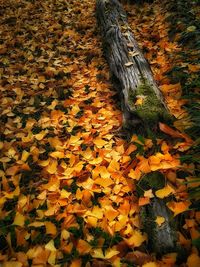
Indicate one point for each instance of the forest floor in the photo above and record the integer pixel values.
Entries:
(68, 181)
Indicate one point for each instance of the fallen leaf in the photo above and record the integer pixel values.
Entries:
(19, 219)
(178, 207)
(165, 191)
(160, 220)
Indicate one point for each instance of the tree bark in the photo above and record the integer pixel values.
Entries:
(142, 101)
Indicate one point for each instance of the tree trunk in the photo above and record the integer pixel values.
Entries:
(142, 102)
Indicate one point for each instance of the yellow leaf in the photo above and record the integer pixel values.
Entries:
(110, 253)
(104, 182)
(136, 239)
(19, 219)
(50, 228)
(57, 154)
(135, 174)
(25, 155)
(40, 135)
(96, 212)
(140, 100)
(96, 161)
(164, 192)
(98, 253)
(160, 220)
(64, 194)
(52, 167)
(99, 142)
(148, 193)
(75, 140)
(52, 258)
(15, 193)
(150, 264)
(50, 246)
(92, 221)
(42, 195)
(113, 166)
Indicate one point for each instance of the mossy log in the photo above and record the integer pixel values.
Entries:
(142, 102)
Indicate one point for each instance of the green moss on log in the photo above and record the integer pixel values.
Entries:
(151, 110)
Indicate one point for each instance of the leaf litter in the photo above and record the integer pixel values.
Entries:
(68, 184)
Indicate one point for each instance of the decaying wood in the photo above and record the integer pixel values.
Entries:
(142, 102)
(131, 71)
(162, 239)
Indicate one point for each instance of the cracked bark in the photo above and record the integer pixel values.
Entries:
(130, 70)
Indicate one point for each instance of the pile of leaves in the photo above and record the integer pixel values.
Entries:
(68, 183)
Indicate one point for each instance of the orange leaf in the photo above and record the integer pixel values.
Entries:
(50, 228)
(178, 207)
(83, 247)
(143, 201)
(193, 260)
(168, 130)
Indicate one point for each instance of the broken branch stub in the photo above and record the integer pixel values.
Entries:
(141, 100)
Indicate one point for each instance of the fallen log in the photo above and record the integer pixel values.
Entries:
(162, 238)
(142, 102)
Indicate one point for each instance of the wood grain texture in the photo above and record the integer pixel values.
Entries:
(128, 66)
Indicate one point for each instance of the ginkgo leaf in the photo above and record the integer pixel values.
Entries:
(50, 228)
(143, 201)
(83, 247)
(160, 220)
(178, 207)
(40, 135)
(19, 219)
(50, 246)
(99, 142)
(136, 239)
(164, 192)
(148, 193)
(104, 182)
(52, 167)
